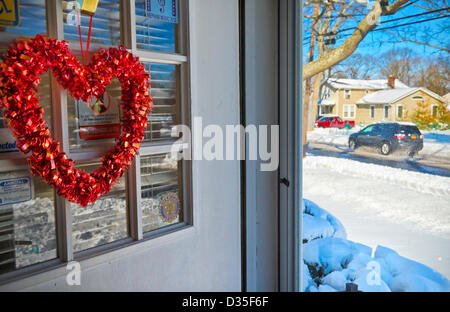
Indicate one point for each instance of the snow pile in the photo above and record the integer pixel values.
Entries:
(417, 181)
(317, 223)
(330, 261)
(333, 136)
(409, 275)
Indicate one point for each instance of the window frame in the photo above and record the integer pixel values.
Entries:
(398, 111)
(63, 217)
(351, 112)
(386, 111)
(347, 94)
(432, 110)
(372, 110)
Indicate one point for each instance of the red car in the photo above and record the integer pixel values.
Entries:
(334, 122)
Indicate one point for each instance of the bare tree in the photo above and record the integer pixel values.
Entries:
(367, 24)
(434, 75)
(357, 66)
(401, 63)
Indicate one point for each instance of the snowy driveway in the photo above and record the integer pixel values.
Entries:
(379, 205)
(436, 143)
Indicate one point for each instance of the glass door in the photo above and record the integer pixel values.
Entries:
(375, 213)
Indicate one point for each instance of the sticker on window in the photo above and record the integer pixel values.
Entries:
(9, 13)
(98, 118)
(7, 142)
(163, 10)
(15, 190)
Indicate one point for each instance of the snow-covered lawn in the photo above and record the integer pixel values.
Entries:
(405, 211)
(436, 143)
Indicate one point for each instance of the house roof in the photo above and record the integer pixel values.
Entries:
(377, 84)
(393, 95)
(447, 98)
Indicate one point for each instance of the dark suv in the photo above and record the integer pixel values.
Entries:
(388, 137)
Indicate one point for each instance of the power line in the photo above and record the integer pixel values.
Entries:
(411, 23)
(388, 21)
(395, 26)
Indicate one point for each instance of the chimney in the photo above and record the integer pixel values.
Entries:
(391, 82)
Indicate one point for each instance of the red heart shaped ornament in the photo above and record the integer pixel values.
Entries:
(25, 62)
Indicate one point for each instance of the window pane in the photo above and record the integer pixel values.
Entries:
(105, 23)
(27, 220)
(371, 221)
(95, 123)
(164, 114)
(6, 136)
(102, 222)
(153, 34)
(160, 188)
(32, 21)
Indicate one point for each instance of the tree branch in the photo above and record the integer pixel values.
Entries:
(417, 42)
(349, 46)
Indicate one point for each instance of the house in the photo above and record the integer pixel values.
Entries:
(368, 101)
(447, 100)
(395, 104)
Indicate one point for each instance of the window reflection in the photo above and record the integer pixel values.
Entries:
(102, 222)
(27, 221)
(153, 34)
(164, 93)
(159, 179)
(105, 23)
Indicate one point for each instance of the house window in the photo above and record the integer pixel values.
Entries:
(386, 111)
(418, 98)
(349, 110)
(105, 24)
(347, 93)
(132, 210)
(400, 111)
(434, 110)
(367, 92)
(372, 111)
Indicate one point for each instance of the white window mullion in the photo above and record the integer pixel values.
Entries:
(128, 24)
(134, 199)
(60, 132)
(128, 33)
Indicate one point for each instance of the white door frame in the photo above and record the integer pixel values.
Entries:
(291, 145)
(272, 95)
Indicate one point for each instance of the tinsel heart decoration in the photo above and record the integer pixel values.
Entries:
(22, 66)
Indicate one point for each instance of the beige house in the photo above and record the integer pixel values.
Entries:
(369, 101)
(395, 104)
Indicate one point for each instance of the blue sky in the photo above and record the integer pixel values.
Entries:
(378, 42)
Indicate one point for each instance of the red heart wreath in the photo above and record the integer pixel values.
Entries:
(20, 72)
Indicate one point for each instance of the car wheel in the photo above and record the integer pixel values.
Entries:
(385, 148)
(352, 144)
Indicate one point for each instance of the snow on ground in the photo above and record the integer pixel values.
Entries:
(417, 181)
(436, 143)
(330, 261)
(406, 211)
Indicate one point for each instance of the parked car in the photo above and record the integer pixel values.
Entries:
(334, 122)
(388, 137)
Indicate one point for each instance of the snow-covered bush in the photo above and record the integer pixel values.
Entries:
(317, 223)
(330, 261)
